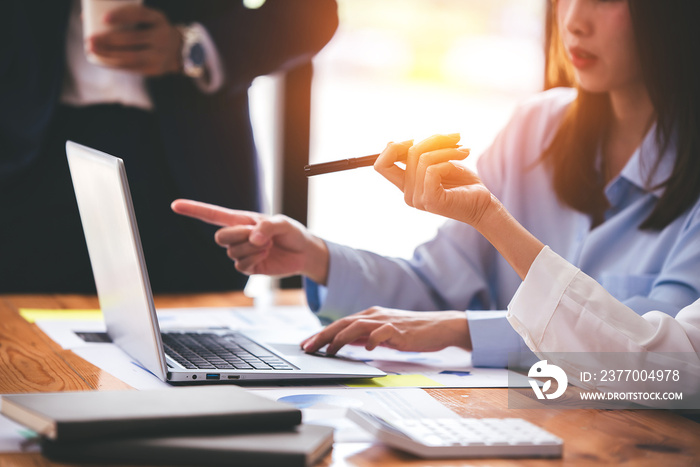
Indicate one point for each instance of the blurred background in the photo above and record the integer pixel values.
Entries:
(398, 70)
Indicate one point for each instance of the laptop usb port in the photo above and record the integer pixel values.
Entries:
(213, 376)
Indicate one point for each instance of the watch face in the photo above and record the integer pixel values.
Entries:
(197, 54)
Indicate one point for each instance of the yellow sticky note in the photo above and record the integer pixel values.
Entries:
(395, 381)
(37, 314)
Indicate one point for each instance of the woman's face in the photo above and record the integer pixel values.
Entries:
(598, 38)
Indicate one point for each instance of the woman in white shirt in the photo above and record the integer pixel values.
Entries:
(608, 175)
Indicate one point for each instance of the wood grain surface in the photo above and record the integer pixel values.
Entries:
(31, 362)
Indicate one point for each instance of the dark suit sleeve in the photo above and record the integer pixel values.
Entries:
(276, 36)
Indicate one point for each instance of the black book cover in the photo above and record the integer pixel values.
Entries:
(193, 410)
(301, 447)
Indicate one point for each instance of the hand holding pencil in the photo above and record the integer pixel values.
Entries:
(433, 182)
(341, 165)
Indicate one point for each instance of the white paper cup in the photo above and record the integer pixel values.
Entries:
(94, 12)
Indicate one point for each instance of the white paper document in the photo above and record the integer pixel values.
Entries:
(15, 437)
(449, 367)
(329, 406)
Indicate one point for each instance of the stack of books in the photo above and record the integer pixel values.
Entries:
(210, 425)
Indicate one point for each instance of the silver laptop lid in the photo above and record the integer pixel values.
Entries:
(114, 245)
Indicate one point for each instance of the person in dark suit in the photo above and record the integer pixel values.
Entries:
(169, 97)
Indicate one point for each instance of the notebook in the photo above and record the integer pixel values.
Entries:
(85, 415)
(124, 292)
(301, 447)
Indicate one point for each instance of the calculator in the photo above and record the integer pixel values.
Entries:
(461, 437)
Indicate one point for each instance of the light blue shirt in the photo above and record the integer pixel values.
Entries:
(459, 270)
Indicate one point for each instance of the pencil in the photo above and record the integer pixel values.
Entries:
(338, 166)
(346, 164)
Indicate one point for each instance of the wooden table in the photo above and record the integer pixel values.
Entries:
(31, 362)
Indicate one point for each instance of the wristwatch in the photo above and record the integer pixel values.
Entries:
(193, 54)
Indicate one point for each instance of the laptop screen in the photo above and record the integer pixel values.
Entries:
(114, 245)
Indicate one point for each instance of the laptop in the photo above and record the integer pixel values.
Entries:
(124, 292)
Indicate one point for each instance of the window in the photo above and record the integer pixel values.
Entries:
(396, 70)
(402, 69)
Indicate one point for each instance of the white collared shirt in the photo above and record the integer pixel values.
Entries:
(558, 310)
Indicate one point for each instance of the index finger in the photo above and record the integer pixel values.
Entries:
(386, 162)
(326, 335)
(213, 214)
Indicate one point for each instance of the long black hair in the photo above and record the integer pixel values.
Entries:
(667, 38)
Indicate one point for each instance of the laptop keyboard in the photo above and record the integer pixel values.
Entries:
(221, 352)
